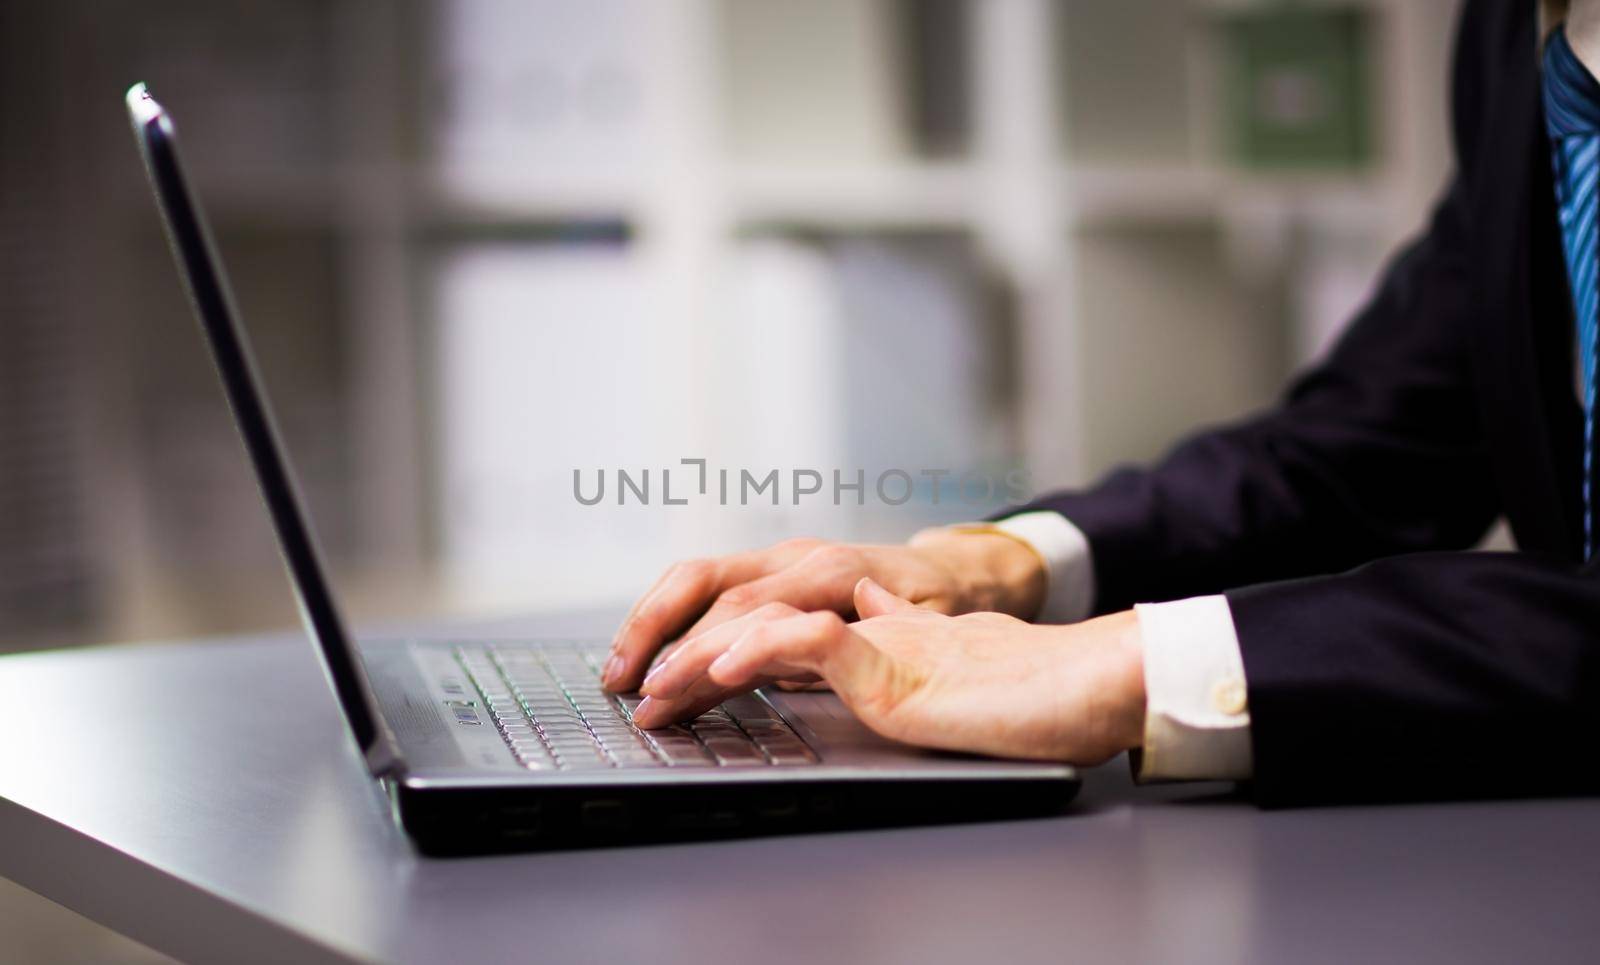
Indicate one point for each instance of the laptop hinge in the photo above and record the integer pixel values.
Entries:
(383, 757)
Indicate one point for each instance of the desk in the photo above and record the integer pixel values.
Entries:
(203, 799)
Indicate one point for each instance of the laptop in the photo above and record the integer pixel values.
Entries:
(500, 745)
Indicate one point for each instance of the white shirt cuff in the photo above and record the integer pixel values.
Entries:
(1197, 717)
(1069, 569)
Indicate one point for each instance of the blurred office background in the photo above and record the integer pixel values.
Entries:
(481, 244)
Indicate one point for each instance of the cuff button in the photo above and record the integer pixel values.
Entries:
(1228, 696)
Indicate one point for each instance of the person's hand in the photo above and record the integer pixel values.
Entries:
(983, 682)
(943, 570)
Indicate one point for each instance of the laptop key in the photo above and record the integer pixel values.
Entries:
(542, 698)
(561, 721)
(676, 753)
(769, 744)
(695, 760)
(558, 719)
(566, 732)
(732, 748)
(746, 708)
(567, 738)
(781, 743)
(671, 740)
(569, 746)
(754, 727)
(576, 751)
(565, 751)
(779, 740)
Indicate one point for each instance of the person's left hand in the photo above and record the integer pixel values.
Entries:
(982, 682)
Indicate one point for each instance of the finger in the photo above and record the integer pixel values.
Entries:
(819, 643)
(873, 600)
(672, 676)
(801, 587)
(642, 631)
(653, 712)
(681, 594)
(797, 684)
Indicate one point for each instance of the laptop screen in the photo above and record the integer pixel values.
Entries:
(207, 286)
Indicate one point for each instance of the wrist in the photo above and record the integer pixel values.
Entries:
(1126, 709)
(1101, 666)
(992, 571)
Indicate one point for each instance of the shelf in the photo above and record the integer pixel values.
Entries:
(915, 195)
(1161, 194)
(909, 195)
(1097, 194)
(489, 196)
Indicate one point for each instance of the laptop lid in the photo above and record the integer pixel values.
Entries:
(213, 305)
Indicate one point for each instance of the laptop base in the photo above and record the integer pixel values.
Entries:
(472, 821)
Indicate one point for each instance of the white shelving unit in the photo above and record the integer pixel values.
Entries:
(1064, 204)
(1038, 207)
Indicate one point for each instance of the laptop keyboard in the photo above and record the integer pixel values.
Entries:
(549, 705)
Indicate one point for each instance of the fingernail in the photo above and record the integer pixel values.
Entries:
(643, 709)
(613, 667)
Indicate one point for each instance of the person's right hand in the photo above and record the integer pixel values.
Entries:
(982, 683)
(950, 571)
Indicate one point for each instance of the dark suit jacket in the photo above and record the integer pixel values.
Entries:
(1385, 661)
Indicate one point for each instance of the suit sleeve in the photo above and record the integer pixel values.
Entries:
(1425, 676)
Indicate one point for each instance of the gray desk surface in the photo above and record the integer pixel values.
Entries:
(203, 799)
